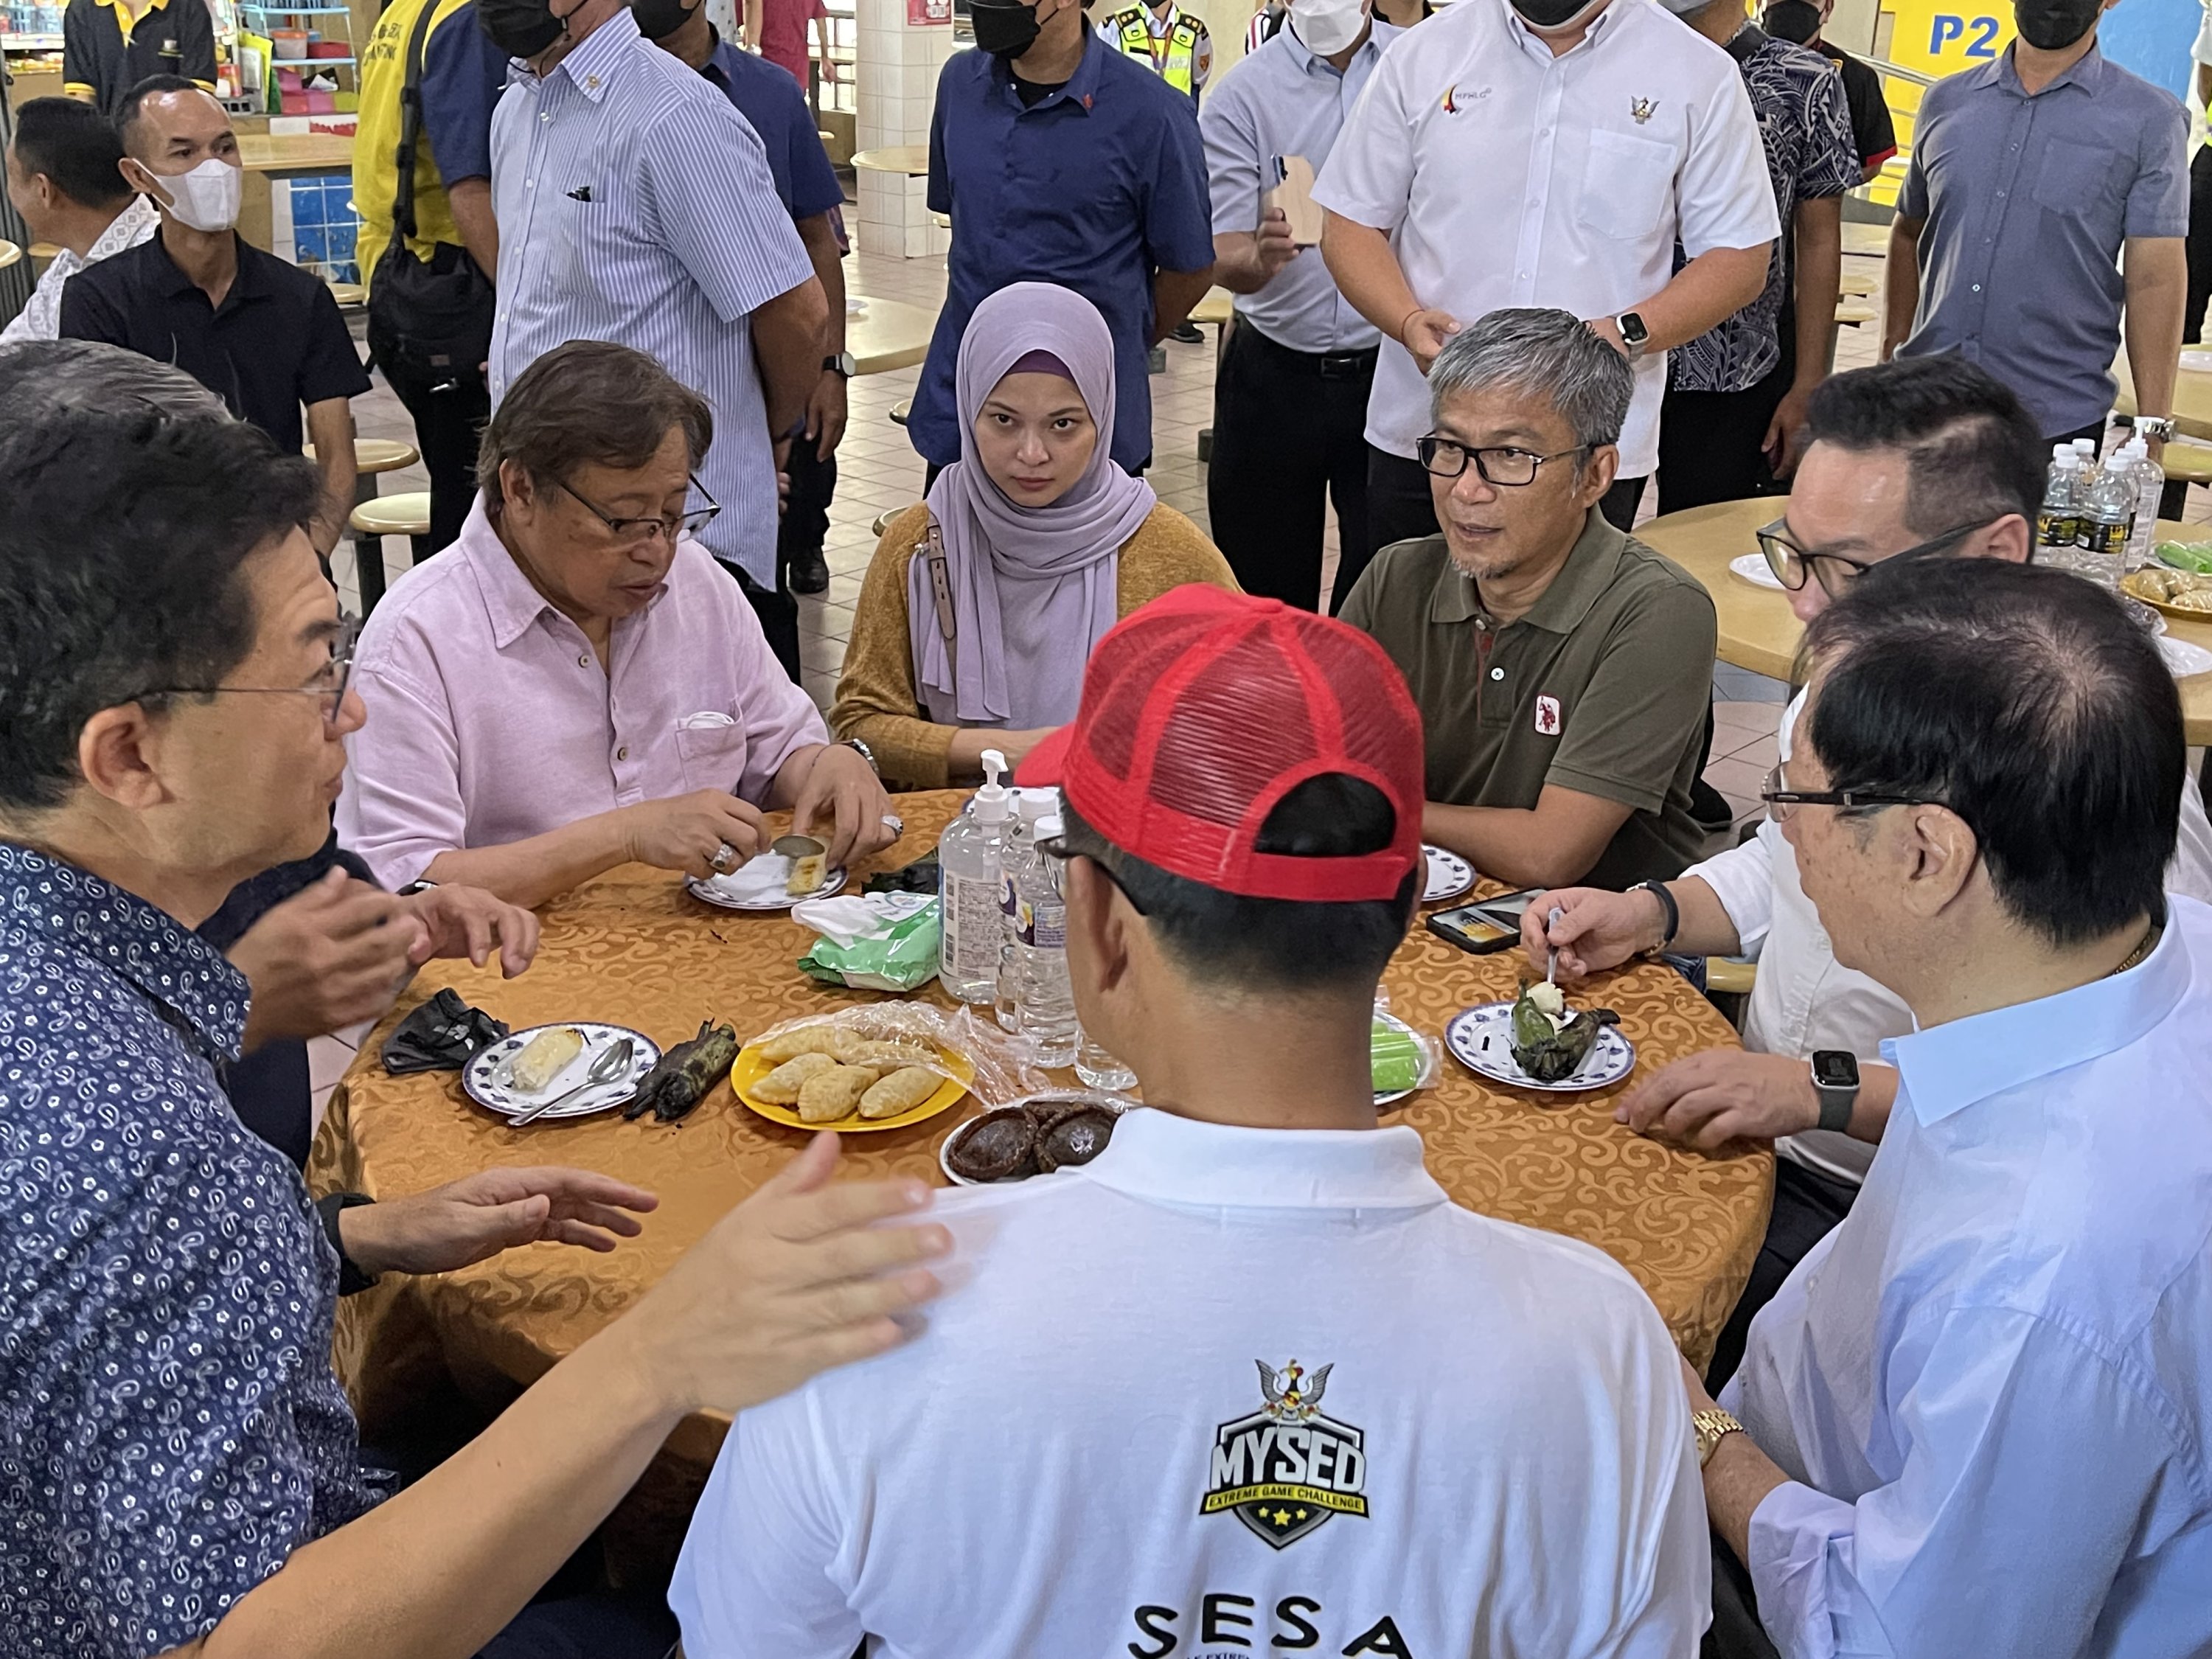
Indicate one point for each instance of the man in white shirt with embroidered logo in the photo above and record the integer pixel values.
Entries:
(1542, 153)
(1249, 1378)
(65, 177)
(1921, 457)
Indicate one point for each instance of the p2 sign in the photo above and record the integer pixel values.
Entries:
(1942, 37)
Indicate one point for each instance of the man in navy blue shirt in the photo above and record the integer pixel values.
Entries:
(1062, 160)
(769, 98)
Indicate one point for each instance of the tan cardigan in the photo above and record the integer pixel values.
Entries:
(876, 699)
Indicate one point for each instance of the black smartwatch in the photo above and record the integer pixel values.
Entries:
(1836, 1081)
(843, 363)
(351, 1278)
(1669, 910)
(1633, 334)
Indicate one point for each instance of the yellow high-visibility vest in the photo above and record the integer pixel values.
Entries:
(1180, 67)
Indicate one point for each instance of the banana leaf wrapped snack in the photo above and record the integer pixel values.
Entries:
(1549, 1043)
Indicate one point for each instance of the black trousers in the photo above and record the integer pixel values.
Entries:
(1287, 432)
(449, 411)
(2200, 247)
(1400, 507)
(1736, 1632)
(779, 619)
(1807, 1207)
(805, 523)
(1710, 444)
(592, 1626)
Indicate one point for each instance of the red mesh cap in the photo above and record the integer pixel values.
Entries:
(1201, 711)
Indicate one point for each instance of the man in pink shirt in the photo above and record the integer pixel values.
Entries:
(574, 684)
(777, 30)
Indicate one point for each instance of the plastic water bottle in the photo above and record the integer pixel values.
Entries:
(1030, 805)
(2108, 514)
(1048, 1006)
(1096, 1065)
(968, 876)
(2086, 448)
(2150, 488)
(2058, 522)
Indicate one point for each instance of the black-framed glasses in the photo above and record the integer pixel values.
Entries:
(329, 684)
(1781, 801)
(1057, 849)
(1792, 563)
(690, 522)
(1446, 457)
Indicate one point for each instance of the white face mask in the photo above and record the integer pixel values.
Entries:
(207, 197)
(1325, 28)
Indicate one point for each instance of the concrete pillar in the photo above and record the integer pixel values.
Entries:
(898, 65)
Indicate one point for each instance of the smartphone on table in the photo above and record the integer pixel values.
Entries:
(1486, 925)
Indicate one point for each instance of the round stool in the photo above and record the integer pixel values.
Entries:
(370, 457)
(408, 515)
(2184, 463)
(10, 253)
(1854, 312)
(900, 411)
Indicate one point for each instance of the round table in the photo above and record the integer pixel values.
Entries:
(910, 159)
(633, 947)
(1759, 631)
(9, 254)
(889, 334)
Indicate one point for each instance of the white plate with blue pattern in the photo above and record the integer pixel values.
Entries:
(485, 1077)
(1481, 1039)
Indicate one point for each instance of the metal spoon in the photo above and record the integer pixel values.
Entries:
(1552, 950)
(606, 1069)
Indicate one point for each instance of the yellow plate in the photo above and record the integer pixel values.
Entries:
(2179, 613)
(750, 1068)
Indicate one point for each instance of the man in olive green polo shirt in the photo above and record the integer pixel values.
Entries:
(1562, 669)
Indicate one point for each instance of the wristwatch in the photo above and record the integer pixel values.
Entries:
(1836, 1080)
(843, 363)
(415, 887)
(1711, 1426)
(862, 751)
(1633, 334)
(1672, 912)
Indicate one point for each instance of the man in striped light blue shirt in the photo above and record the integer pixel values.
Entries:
(636, 204)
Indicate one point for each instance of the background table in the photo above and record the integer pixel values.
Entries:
(1759, 632)
(633, 947)
(911, 160)
(889, 334)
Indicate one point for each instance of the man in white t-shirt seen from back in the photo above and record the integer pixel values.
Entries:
(1542, 153)
(1249, 1379)
(1921, 457)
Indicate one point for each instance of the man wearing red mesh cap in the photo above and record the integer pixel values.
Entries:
(1247, 1381)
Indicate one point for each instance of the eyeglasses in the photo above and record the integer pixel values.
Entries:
(1783, 802)
(1791, 562)
(1446, 458)
(689, 523)
(329, 684)
(1060, 851)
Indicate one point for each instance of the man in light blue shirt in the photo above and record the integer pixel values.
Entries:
(636, 204)
(1289, 395)
(1974, 1419)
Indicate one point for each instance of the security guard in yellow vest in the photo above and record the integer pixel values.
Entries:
(1166, 38)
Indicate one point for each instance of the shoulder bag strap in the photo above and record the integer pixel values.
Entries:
(410, 124)
(940, 586)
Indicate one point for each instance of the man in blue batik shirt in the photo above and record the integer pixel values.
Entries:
(1062, 160)
(177, 1458)
(1974, 1419)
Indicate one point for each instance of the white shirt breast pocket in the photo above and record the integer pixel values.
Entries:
(1628, 184)
(711, 748)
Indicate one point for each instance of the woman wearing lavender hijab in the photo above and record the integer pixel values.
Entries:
(982, 603)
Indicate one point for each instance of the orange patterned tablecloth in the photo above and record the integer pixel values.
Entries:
(633, 947)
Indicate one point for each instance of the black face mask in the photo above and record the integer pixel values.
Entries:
(1547, 14)
(521, 28)
(658, 18)
(1004, 31)
(2054, 25)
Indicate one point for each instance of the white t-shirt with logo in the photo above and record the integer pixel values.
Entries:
(1508, 177)
(1224, 1392)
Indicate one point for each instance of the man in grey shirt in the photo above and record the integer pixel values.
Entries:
(2046, 190)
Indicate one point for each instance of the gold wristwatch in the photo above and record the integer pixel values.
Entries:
(1709, 1427)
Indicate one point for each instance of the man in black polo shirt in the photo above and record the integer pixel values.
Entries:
(108, 47)
(264, 336)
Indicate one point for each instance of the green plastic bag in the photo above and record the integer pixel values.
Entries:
(895, 958)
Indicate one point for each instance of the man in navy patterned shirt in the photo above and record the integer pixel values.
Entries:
(1736, 394)
(177, 1459)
